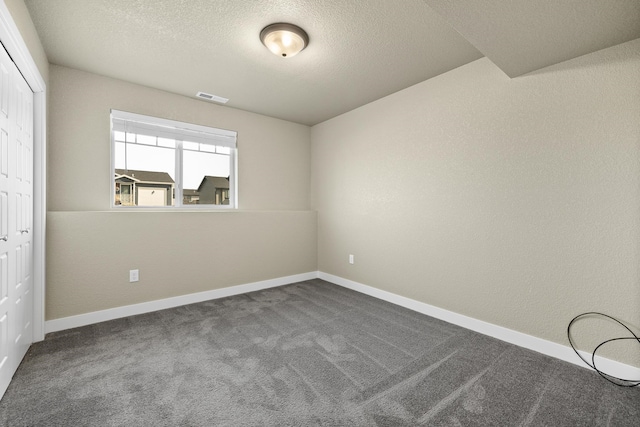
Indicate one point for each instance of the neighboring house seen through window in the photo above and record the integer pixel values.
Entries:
(160, 162)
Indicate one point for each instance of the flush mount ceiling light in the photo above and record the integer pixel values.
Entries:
(285, 40)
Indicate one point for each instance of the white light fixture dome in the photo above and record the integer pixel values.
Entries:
(285, 40)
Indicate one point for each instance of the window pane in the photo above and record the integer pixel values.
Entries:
(118, 136)
(206, 176)
(187, 145)
(208, 148)
(223, 150)
(165, 142)
(147, 140)
(145, 175)
(119, 151)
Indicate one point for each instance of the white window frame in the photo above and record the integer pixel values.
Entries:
(178, 131)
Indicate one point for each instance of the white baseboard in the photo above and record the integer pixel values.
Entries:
(540, 345)
(147, 307)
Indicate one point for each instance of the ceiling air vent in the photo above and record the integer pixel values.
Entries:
(213, 98)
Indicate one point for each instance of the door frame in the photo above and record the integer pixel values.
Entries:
(16, 47)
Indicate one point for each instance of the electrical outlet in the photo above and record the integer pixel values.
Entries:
(134, 275)
(351, 259)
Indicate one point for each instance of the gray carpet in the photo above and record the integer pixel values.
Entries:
(307, 354)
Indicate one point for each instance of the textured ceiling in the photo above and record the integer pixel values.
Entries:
(521, 36)
(359, 51)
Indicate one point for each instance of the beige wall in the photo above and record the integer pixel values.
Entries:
(22, 19)
(90, 252)
(273, 160)
(516, 202)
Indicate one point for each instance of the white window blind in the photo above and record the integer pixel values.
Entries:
(163, 128)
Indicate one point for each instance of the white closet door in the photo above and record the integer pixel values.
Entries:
(16, 218)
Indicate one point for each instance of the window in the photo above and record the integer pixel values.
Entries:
(159, 162)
